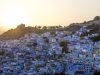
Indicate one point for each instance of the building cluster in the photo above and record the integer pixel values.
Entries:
(50, 53)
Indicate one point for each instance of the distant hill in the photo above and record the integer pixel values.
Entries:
(21, 30)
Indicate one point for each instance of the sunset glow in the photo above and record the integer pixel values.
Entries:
(46, 12)
(13, 17)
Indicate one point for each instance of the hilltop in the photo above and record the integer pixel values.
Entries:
(21, 30)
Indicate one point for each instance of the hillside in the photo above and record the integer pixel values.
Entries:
(21, 30)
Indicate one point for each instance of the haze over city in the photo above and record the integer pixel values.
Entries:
(46, 12)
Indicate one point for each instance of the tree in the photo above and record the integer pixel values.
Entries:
(39, 27)
(2, 53)
(21, 26)
(97, 18)
(60, 26)
(64, 45)
(44, 27)
(46, 40)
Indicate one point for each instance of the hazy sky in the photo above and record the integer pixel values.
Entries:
(46, 12)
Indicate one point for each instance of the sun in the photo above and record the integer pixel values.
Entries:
(13, 17)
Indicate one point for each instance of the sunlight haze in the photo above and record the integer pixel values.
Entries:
(46, 12)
